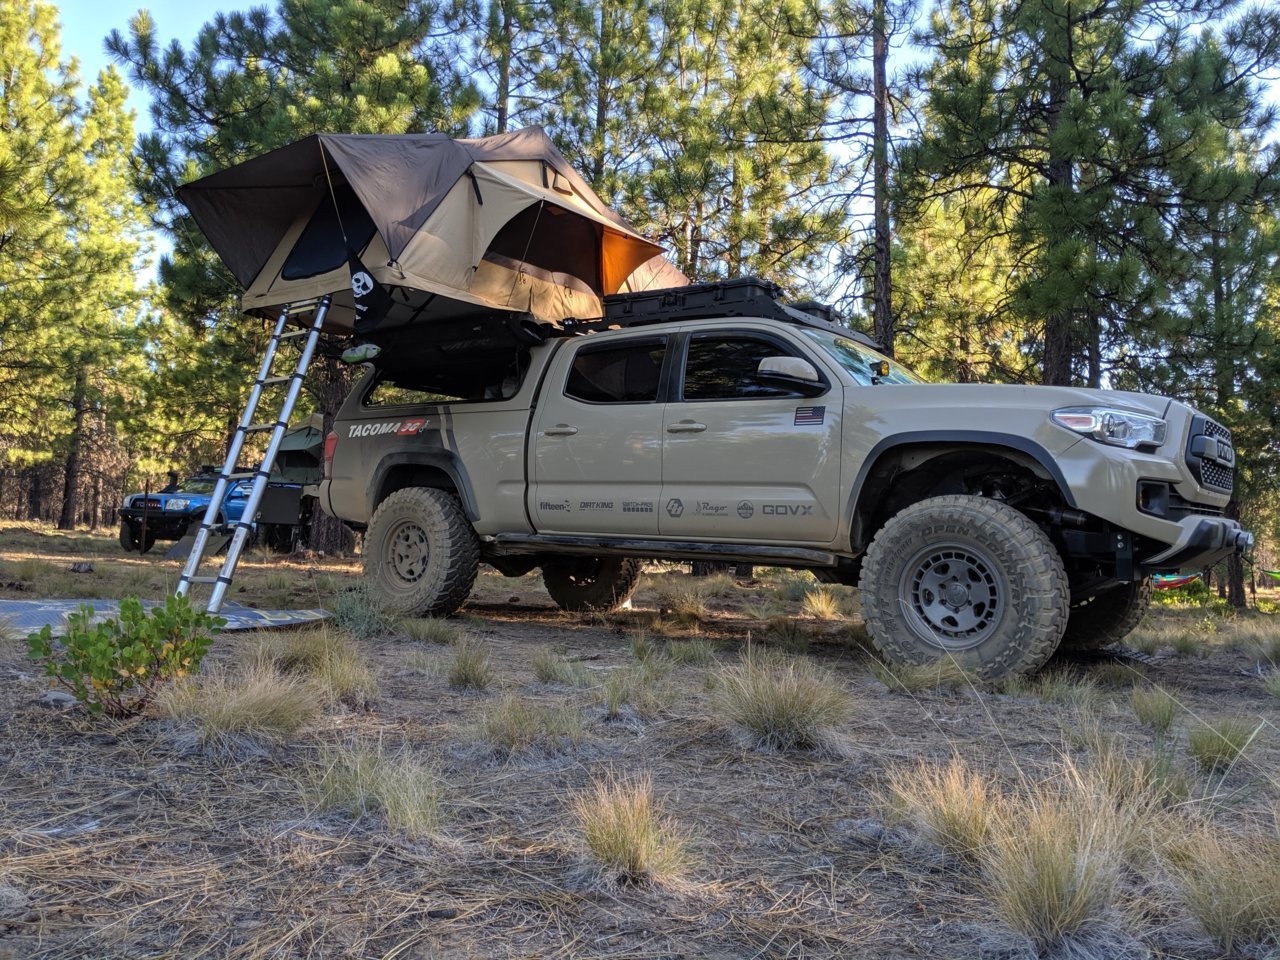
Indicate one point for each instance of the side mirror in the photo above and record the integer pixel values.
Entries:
(794, 372)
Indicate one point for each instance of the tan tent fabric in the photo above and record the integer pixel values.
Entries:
(499, 222)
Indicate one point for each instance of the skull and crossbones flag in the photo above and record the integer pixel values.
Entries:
(372, 299)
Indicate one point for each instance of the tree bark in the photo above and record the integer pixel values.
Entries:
(1235, 568)
(71, 473)
(1060, 176)
(881, 285)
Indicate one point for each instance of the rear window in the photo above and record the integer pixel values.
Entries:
(627, 372)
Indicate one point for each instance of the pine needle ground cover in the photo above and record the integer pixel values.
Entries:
(150, 837)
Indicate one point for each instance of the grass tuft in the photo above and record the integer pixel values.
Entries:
(1064, 688)
(954, 805)
(1216, 746)
(356, 611)
(514, 725)
(1055, 856)
(257, 702)
(697, 652)
(326, 656)
(626, 835)
(822, 603)
(1271, 683)
(641, 685)
(1231, 884)
(432, 630)
(470, 668)
(782, 703)
(361, 779)
(550, 667)
(1155, 707)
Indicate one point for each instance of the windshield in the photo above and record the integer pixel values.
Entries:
(197, 485)
(860, 361)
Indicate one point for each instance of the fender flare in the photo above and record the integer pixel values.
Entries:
(446, 462)
(988, 439)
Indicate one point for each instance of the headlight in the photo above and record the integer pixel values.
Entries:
(176, 505)
(1120, 428)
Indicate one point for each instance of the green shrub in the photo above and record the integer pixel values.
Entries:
(117, 666)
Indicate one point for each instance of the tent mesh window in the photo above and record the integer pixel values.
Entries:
(319, 248)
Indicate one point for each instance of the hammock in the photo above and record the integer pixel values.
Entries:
(1171, 581)
(1273, 574)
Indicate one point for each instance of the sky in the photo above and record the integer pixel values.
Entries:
(86, 23)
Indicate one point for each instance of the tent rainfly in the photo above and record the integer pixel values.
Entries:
(451, 227)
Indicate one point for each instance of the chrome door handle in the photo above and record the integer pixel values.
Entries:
(686, 426)
(560, 430)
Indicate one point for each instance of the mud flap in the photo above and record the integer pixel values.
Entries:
(182, 549)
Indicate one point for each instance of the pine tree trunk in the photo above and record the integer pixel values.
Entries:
(71, 473)
(883, 309)
(1235, 568)
(333, 382)
(1059, 172)
(35, 494)
(503, 95)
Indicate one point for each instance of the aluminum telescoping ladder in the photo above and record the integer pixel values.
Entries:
(245, 525)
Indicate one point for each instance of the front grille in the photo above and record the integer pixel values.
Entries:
(1210, 454)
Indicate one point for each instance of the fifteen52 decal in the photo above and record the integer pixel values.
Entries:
(403, 428)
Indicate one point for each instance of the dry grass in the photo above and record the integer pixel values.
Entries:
(1155, 707)
(1231, 885)
(626, 836)
(1065, 689)
(822, 603)
(432, 630)
(781, 703)
(514, 725)
(325, 655)
(1271, 683)
(643, 686)
(698, 653)
(361, 779)
(470, 668)
(1217, 745)
(953, 805)
(946, 676)
(257, 702)
(550, 667)
(356, 611)
(1055, 856)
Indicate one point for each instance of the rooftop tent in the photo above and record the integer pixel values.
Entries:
(450, 226)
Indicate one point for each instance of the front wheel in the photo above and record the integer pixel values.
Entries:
(965, 578)
(421, 555)
(131, 538)
(1109, 617)
(591, 583)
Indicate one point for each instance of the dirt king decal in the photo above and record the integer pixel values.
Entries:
(410, 427)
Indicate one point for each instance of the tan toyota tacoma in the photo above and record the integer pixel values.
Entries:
(989, 523)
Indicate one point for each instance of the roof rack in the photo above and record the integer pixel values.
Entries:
(744, 297)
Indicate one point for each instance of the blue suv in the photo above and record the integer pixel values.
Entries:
(167, 515)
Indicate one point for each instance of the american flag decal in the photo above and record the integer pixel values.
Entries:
(809, 415)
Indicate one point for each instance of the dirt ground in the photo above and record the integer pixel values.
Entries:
(121, 839)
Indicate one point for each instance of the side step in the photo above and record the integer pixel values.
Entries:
(517, 544)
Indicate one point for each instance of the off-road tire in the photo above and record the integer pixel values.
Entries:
(1109, 617)
(1006, 589)
(591, 583)
(420, 553)
(131, 539)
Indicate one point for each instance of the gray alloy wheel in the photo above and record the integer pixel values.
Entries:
(421, 555)
(965, 578)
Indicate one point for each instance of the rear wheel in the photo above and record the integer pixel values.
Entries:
(1109, 617)
(965, 578)
(421, 555)
(591, 583)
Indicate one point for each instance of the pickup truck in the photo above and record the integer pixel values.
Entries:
(984, 523)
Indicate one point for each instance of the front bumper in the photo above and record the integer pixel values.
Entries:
(162, 526)
(1203, 541)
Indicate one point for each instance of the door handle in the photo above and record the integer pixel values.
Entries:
(686, 426)
(560, 430)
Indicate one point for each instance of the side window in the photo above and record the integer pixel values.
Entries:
(724, 368)
(618, 372)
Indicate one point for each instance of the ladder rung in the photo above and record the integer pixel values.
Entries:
(202, 579)
(259, 427)
(239, 476)
(272, 381)
(294, 334)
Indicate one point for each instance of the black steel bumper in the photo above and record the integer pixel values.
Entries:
(162, 526)
(1203, 542)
